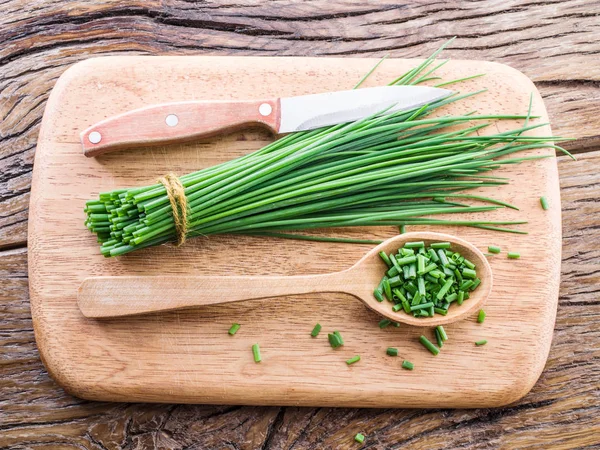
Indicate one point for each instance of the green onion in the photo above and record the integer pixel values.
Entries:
(353, 360)
(513, 255)
(332, 177)
(384, 323)
(482, 342)
(418, 244)
(428, 345)
(438, 338)
(378, 295)
(256, 353)
(469, 273)
(407, 365)
(316, 330)
(481, 316)
(544, 203)
(234, 328)
(391, 351)
(442, 332)
(385, 259)
(493, 249)
(335, 340)
(360, 438)
(438, 245)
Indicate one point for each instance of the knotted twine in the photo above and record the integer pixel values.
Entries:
(179, 207)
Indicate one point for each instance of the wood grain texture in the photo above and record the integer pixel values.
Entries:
(184, 357)
(560, 412)
(554, 42)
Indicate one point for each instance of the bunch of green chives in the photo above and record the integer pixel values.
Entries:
(395, 168)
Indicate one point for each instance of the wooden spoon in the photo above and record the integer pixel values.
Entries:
(104, 297)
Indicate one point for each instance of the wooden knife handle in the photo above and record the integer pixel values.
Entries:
(177, 122)
(104, 297)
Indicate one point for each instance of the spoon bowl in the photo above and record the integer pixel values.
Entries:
(371, 268)
(108, 297)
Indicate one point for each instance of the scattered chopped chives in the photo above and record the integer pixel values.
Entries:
(316, 330)
(428, 345)
(442, 332)
(513, 255)
(482, 342)
(335, 340)
(481, 316)
(384, 323)
(438, 338)
(391, 351)
(407, 365)
(494, 249)
(544, 203)
(234, 328)
(256, 353)
(353, 360)
(438, 245)
(360, 438)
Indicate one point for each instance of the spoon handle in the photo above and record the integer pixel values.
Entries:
(103, 297)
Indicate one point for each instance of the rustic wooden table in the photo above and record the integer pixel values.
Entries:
(556, 43)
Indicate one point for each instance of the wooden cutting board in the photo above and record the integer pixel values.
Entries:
(187, 356)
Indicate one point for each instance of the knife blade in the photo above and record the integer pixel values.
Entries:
(184, 121)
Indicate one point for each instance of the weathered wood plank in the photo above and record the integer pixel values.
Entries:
(560, 412)
(554, 43)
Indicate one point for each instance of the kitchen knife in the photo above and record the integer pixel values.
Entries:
(184, 121)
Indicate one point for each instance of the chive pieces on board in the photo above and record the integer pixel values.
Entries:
(424, 280)
(353, 360)
(360, 438)
(234, 328)
(513, 255)
(316, 330)
(256, 353)
(407, 365)
(494, 249)
(544, 203)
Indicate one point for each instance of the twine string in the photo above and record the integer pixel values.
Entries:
(179, 207)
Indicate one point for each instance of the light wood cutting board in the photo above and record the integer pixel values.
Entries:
(187, 356)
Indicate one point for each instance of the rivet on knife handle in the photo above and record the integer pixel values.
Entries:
(177, 122)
